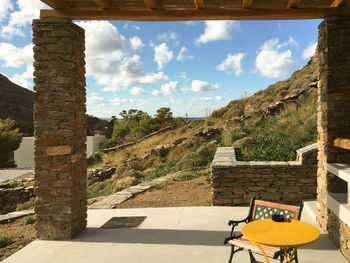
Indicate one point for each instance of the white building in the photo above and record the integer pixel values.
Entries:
(24, 155)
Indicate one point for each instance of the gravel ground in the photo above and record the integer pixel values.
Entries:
(10, 174)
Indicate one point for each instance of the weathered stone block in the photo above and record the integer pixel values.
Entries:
(58, 150)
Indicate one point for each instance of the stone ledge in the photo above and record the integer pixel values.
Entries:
(342, 170)
(225, 157)
(307, 149)
(15, 215)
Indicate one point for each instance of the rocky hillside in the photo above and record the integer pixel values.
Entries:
(269, 125)
(16, 103)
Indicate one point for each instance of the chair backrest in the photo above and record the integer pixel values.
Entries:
(263, 210)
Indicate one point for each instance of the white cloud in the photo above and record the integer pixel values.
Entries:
(136, 43)
(95, 99)
(182, 54)
(126, 26)
(198, 86)
(183, 75)
(107, 62)
(138, 91)
(218, 30)
(156, 92)
(101, 55)
(190, 23)
(195, 101)
(162, 55)
(151, 78)
(27, 11)
(24, 79)
(291, 41)
(309, 51)
(118, 101)
(5, 6)
(167, 36)
(232, 64)
(14, 57)
(129, 73)
(271, 61)
(169, 88)
(219, 98)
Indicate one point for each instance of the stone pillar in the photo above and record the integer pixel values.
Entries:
(60, 128)
(333, 115)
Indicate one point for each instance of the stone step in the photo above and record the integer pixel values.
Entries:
(310, 207)
(111, 201)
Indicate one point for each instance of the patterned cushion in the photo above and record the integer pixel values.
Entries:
(264, 212)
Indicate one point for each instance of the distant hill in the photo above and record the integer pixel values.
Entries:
(16, 103)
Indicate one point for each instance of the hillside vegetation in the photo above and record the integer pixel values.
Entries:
(269, 125)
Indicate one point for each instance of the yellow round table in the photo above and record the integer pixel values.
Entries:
(280, 234)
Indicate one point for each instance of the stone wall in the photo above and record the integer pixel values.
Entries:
(11, 197)
(235, 182)
(60, 128)
(333, 116)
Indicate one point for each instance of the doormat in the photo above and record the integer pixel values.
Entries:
(124, 222)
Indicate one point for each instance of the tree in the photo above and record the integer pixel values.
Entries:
(110, 126)
(164, 114)
(10, 139)
(133, 115)
(137, 123)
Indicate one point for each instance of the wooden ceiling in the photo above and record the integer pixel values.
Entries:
(181, 10)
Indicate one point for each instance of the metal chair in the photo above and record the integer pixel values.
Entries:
(261, 210)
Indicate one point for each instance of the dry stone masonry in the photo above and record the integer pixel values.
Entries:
(10, 196)
(333, 119)
(60, 128)
(235, 182)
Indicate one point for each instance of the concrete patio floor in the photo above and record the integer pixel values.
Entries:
(176, 234)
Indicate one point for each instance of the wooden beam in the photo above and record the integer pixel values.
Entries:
(342, 143)
(293, 3)
(247, 4)
(198, 14)
(104, 4)
(199, 4)
(337, 3)
(56, 4)
(152, 4)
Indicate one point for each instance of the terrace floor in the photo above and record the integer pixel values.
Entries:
(176, 234)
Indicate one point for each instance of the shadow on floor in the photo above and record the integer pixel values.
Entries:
(174, 236)
(153, 236)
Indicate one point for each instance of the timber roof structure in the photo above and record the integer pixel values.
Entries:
(181, 10)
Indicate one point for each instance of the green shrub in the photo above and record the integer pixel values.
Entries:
(188, 177)
(160, 171)
(5, 240)
(277, 138)
(26, 205)
(101, 189)
(28, 220)
(137, 123)
(10, 139)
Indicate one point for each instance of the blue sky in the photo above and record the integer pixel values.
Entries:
(189, 66)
